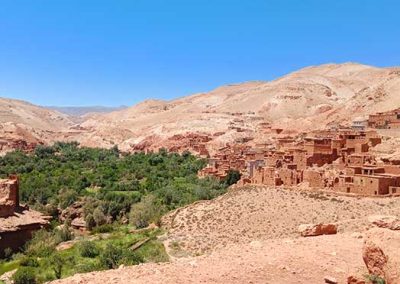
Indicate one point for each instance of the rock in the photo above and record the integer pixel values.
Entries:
(78, 223)
(307, 230)
(7, 277)
(389, 222)
(72, 212)
(354, 280)
(381, 254)
(357, 235)
(330, 280)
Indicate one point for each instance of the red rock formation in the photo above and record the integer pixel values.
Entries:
(381, 254)
(309, 230)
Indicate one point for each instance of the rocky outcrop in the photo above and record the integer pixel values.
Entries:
(72, 212)
(381, 254)
(308, 230)
(388, 222)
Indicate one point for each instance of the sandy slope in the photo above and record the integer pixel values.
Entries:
(249, 235)
(273, 261)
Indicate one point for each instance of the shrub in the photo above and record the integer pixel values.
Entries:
(111, 256)
(62, 235)
(57, 264)
(88, 249)
(99, 217)
(107, 228)
(232, 177)
(29, 262)
(42, 244)
(8, 253)
(146, 211)
(24, 275)
(374, 279)
(131, 258)
(90, 222)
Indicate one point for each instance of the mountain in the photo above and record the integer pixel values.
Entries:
(80, 111)
(23, 124)
(315, 97)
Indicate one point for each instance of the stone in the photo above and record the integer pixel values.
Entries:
(330, 280)
(389, 222)
(308, 230)
(381, 254)
(78, 223)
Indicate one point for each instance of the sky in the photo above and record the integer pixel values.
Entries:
(116, 52)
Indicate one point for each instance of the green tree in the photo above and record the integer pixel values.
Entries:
(24, 275)
(232, 177)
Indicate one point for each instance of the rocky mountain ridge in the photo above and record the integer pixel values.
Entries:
(315, 97)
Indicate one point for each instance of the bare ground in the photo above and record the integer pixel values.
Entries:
(249, 235)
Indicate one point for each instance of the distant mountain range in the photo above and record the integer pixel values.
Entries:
(312, 98)
(80, 111)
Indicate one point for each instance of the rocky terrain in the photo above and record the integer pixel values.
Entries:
(260, 213)
(250, 235)
(314, 97)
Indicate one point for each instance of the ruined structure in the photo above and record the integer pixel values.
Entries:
(337, 160)
(17, 223)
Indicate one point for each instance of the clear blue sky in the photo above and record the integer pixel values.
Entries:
(115, 52)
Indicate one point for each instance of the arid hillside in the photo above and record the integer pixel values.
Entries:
(250, 235)
(311, 98)
(23, 124)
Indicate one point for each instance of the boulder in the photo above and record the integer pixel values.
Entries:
(330, 280)
(308, 230)
(78, 223)
(381, 254)
(389, 222)
(72, 212)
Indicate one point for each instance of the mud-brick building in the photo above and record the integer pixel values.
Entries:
(17, 223)
(385, 120)
(368, 180)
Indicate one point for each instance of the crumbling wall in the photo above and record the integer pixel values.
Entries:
(9, 200)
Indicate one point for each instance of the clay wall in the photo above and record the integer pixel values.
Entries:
(9, 197)
(314, 178)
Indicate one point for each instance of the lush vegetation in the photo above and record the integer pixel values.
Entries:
(108, 181)
(114, 188)
(40, 262)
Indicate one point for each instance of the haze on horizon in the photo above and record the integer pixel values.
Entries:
(74, 53)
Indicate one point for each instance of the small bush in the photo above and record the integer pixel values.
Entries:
(42, 244)
(146, 211)
(88, 249)
(374, 279)
(107, 228)
(90, 222)
(62, 235)
(111, 256)
(29, 262)
(131, 258)
(24, 275)
(8, 253)
(99, 216)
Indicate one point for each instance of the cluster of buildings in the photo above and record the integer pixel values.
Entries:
(17, 223)
(333, 159)
(385, 120)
